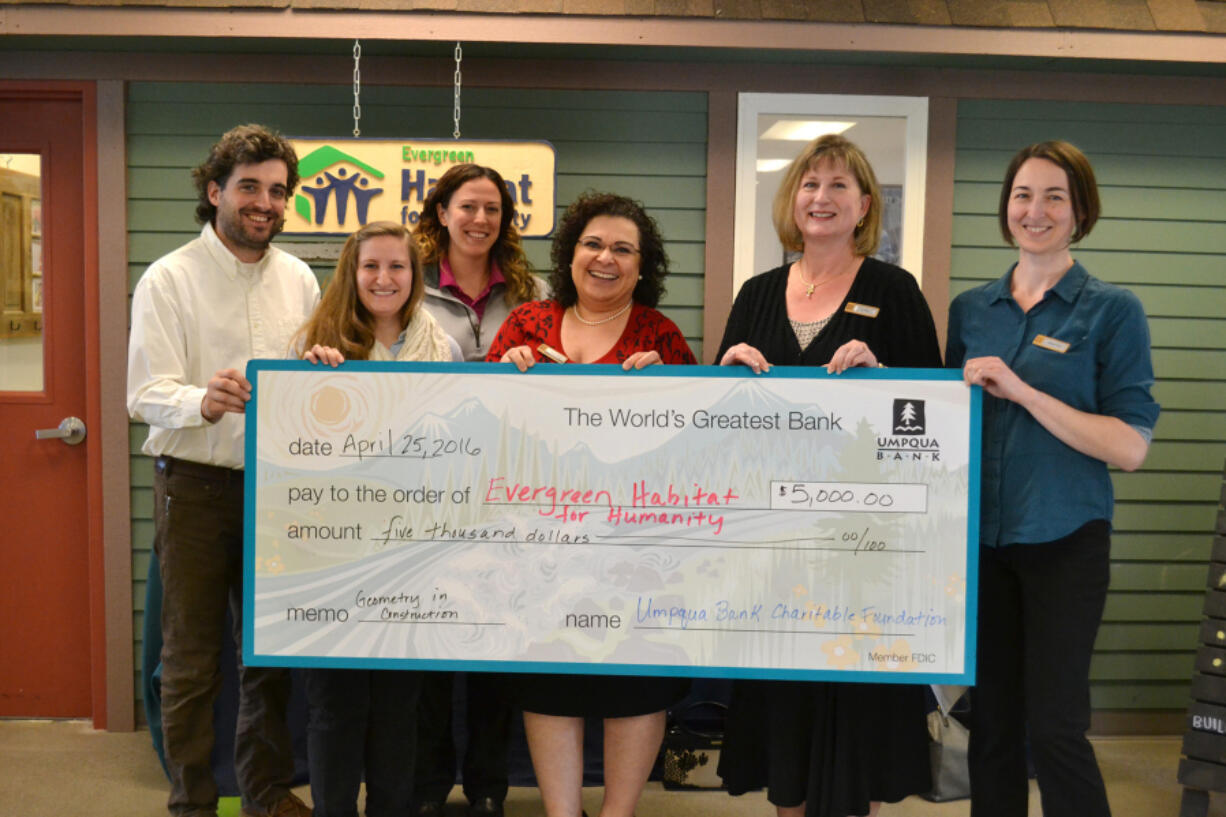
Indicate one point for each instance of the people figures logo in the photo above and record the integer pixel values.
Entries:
(349, 183)
(331, 175)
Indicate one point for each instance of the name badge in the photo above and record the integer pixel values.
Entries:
(1051, 344)
(552, 353)
(864, 310)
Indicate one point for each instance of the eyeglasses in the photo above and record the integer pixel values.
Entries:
(620, 251)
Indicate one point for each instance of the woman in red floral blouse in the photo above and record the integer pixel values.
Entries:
(608, 275)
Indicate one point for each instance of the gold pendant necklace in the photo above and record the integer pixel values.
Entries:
(811, 285)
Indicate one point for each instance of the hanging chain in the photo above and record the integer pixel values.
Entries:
(459, 55)
(357, 88)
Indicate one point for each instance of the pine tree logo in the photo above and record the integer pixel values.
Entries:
(908, 416)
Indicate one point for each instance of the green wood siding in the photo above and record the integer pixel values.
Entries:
(650, 145)
(1162, 177)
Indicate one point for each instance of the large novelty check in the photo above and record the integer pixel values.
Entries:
(694, 521)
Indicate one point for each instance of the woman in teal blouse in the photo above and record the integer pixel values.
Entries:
(1065, 361)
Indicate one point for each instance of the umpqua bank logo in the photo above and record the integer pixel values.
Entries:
(331, 181)
(908, 438)
(909, 416)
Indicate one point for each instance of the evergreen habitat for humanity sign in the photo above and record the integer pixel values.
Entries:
(347, 183)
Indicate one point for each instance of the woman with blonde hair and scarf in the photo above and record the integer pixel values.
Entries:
(363, 723)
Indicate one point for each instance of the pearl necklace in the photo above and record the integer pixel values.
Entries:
(614, 316)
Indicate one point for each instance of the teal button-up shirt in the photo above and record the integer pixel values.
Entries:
(1094, 357)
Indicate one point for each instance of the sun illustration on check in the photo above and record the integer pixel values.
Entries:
(330, 405)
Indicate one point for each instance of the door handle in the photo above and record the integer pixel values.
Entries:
(71, 430)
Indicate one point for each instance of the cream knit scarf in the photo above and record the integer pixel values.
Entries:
(424, 339)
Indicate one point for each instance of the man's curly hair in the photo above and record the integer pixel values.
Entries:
(244, 145)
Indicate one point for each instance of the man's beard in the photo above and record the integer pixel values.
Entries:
(236, 233)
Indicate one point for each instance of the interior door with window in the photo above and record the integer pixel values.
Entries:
(45, 660)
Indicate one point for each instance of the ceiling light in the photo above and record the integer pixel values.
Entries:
(804, 130)
(771, 165)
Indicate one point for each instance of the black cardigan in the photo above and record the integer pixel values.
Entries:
(902, 334)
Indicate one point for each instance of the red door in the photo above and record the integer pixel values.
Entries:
(45, 649)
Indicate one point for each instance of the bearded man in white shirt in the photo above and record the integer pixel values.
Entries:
(198, 315)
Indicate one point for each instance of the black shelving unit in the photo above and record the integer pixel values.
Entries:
(1202, 770)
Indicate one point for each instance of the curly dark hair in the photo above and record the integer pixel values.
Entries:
(433, 239)
(243, 145)
(653, 261)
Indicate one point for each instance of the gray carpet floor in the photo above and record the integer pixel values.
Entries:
(52, 768)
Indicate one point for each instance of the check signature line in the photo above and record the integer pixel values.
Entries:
(723, 509)
(688, 628)
(712, 543)
(433, 623)
(637, 541)
(401, 456)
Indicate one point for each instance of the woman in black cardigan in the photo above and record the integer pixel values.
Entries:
(828, 749)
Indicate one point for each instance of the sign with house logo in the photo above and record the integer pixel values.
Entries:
(347, 183)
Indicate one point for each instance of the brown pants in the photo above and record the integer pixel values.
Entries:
(198, 513)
